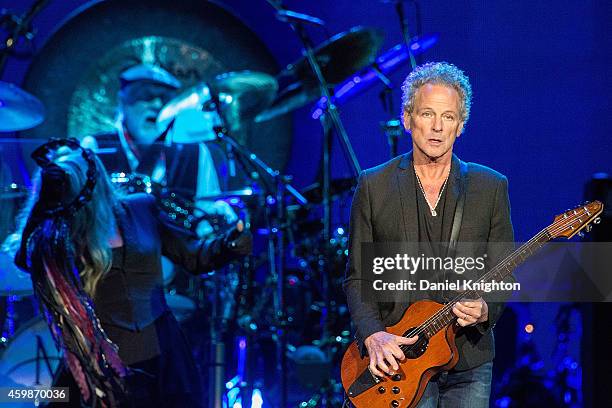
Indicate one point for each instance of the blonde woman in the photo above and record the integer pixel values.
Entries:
(95, 261)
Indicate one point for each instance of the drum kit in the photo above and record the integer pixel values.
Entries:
(297, 301)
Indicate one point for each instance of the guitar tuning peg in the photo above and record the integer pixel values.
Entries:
(597, 220)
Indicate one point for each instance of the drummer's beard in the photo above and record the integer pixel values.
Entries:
(141, 125)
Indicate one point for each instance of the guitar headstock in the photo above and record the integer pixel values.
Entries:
(573, 221)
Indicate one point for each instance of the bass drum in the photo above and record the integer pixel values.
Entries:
(31, 357)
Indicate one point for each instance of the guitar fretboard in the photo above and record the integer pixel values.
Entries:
(502, 270)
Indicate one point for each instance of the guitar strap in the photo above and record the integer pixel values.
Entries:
(452, 245)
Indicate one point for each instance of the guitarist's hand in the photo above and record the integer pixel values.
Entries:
(384, 351)
(471, 311)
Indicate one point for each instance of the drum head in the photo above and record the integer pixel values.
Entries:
(31, 347)
(182, 307)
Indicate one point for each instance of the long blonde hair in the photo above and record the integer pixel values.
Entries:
(92, 226)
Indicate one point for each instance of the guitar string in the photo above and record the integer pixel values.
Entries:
(555, 228)
(449, 305)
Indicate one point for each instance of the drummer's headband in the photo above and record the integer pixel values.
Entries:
(43, 157)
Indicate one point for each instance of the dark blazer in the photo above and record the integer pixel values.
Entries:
(384, 210)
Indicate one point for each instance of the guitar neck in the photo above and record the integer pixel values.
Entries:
(498, 273)
(566, 225)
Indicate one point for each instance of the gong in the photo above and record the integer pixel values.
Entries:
(75, 73)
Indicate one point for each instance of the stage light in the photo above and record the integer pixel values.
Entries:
(256, 399)
(232, 383)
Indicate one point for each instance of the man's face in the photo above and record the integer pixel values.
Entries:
(435, 121)
(141, 103)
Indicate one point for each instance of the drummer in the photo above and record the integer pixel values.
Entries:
(142, 148)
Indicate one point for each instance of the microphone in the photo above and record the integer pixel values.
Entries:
(289, 16)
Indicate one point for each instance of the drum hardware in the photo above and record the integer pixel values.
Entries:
(18, 27)
(393, 130)
(242, 95)
(182, 306)
(340, 57)
(232, 98)
(338, 188)
(12, 192)
(218, 104)
(275, 213)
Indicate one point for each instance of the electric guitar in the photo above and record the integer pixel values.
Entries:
(435, 325)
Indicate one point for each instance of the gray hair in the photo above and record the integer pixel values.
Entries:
(440, 73)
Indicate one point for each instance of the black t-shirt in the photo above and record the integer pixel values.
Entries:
(434, 231)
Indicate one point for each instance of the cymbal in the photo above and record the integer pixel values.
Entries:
(12, 192)
(376, 73)
(314, 192)
(244, 94)
(19, 110)
(289, 99)
(241, 96)
(340, 56)
(190, 116)
(224, 195)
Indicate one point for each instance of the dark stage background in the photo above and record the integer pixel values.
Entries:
(541, 110)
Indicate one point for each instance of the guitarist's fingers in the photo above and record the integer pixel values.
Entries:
(373, 369)
(471, 302)
(397, 352)
(390, 357)
(380, 363)
(463, 319)
(406, 340)
(463, 312)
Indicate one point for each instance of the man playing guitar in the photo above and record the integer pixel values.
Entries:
(415, 198)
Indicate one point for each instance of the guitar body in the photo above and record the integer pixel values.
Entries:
(438, 353)
(435, 349)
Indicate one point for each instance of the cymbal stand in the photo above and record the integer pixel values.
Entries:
(331, 112)
(399, 9)
(330, 119)
(18, 27)
(275, 219)
(392, 128)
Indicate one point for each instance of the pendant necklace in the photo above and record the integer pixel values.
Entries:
(432, 209)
